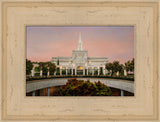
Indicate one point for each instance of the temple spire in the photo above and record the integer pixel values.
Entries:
(80, 42)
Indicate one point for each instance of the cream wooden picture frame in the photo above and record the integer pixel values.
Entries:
(17, 14)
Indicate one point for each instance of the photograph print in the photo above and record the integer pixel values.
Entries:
(80, 61)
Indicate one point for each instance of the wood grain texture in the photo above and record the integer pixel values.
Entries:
(17, 15)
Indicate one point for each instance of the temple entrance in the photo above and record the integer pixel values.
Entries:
(79, 70)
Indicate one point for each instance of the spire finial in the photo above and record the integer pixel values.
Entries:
(80, 42)
(80, 39)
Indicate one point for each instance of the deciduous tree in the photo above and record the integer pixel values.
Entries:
(29, 67)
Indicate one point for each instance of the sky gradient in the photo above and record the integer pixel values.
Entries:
(113, 42)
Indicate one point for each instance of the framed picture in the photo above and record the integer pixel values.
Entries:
(99, 63)
(80, 60)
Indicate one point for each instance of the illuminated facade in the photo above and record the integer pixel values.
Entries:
(80, 63)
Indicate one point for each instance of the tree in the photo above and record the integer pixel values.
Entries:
(58, 62)
(101, 71)
(121, 69)
(109, 67)
(45, 66)
(29, 67)
(58, 71)
(52, 68)
(42, 66)
(132, 65)
(45, 70)
(114, 67)
(129, 65)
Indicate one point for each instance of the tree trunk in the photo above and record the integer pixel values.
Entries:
(111, 73)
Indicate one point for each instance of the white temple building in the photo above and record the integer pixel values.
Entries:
(79, 63)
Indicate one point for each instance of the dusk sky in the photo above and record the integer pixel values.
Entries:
(113, 42)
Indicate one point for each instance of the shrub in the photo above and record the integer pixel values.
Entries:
(76, 87)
